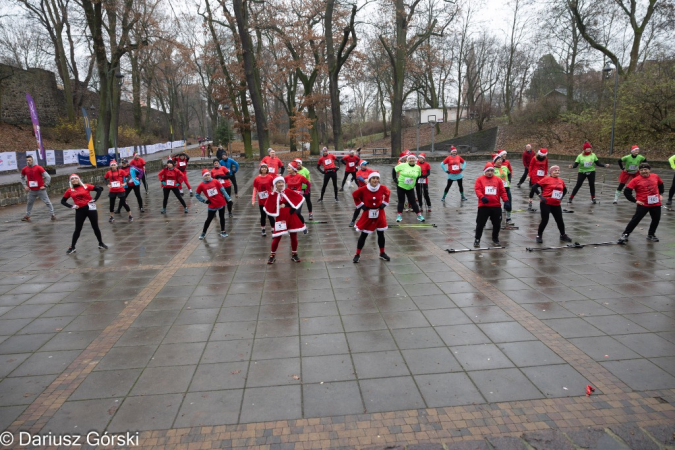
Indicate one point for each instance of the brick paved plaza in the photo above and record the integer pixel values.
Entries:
(202, 343)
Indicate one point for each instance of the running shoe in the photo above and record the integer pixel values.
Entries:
(271, 259)
(497, 243)
(616, 198)
(518, 185)
(623, 238)
(102, 246)
(476, 243)
(509, 221)
(295, 258)
(565, 238)
(224, 234)
(163, 211)
(111, 220)
(669, 202)
(319, 200)
(53, 217)
(336, 200)
(420, 217)
(464, 198)
(230, 215)
(569, 200)
(384, 256)
(202, 236)
(142, 210)
(131, 219)
(540, 240)
(263, 233)
(305, 231)
(593, 200)
(652, 238)
(428, 209)
(192, 194)
(186, 210)
(442, 199)
(70, 250)
(399, 218)
(26, 219)
(311, 216)
(351, 224)
(342, 189)
(181, 192)
(356, 259)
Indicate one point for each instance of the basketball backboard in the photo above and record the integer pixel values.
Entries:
(432, 115)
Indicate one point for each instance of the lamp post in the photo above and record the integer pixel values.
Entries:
(471, 117)
(432, 122)
(607, 69)
(119, 77)
(226, 108)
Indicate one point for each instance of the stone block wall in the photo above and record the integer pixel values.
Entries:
(40, 84)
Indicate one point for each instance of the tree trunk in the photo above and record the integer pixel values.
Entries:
(65, 76)
(313, 131)
(252, 74)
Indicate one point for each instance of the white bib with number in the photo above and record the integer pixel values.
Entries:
(540, 173)
(556, 195)
(170, 182)
(454, 167)
(181, 163)
(263, 195)
(588, 163)
(32, 184)
(327, 162)
(92, 206)
(373, 213)
(351, 164)
(408, 181)
(280, 225)
(271, 169)
(212, 192)
(653, 199)
(490, 190)
(115, 184)
(421, 181)
(632, 168)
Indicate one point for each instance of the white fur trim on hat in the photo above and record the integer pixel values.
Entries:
(373, 174)
(280, 178)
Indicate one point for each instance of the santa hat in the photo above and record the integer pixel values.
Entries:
(550, 169)
(488, 166)
(325, 149)
(495, 156)
(502, 153)
(205, 172)
(634, 148)
(453, 149)
(403, 158)
(423, 156)
(113, 163)
(373, 174)
(298, 160)
(587, 145)
(135, 153)
(406, 151)
(352, 151)
(263, 164)
(274, 183)
(293, 165)
(543, 152)
(72, 177)
(411, 155)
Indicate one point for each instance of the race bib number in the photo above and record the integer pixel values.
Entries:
(540, 173)
(504, 182)
(652, 199)
(373, 213)
(408, 181)
(351, 164)
(490, 190)
(32, 184)
(328, 162)
(421, 181)
(271, 169)
(182, 163)
(556, 195)
(280, 225)
(222, 182)
(263, 195)
(212, 192)
(588, 163)
(632, 168)
(92, 206)
(454, 167)
(115, 184)
(170, 182)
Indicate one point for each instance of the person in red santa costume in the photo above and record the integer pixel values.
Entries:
(371, 199)
(262, 186)
(282, 204)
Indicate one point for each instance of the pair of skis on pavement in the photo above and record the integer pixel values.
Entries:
(533, 249)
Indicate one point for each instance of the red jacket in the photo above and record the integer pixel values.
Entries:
(222, 170)
(552, 190)
(492, 188)
(453, 164)
(527, 158)
(351, 163)
(538, 170)
(295, 182)
(180, 164)
(170, 178)
(116, 180)
(327, 162)
(211, 191)
(364, 197)
(80, 194)
(140, 162)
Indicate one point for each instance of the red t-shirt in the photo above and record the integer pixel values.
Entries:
(646, 189)
(33, 176)
(140, 162)
(181, 164)
(351, 163)
(263, 185)
(328, 162)
(552, 190)
(527, 158)
(492, 188)
(211, 190)
(222, 170)
(80, 195)
(295, 182)
(426, 167)
(363, 174)
(115, 180)
(453, 164)
(273, 164)
(507, 164)
(172, 178)
(538, 170)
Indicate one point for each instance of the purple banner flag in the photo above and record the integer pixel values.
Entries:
(36, 125)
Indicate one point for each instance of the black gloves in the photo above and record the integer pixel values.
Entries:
(208, 202)
(293, 210)
(485, 200)
(382, 206)
(507, 205)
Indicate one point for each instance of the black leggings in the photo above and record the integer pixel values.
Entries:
(229, 204)
(640, 213)
(410, 195)
(145, 183)
(263, 215)
(459, 184)
(508, 194)
(113, 196)
(353, 174)
(211, 215)
(81, 215)
(671, 193)
(362, 240)
(329, 175)
(308, 200)
(423, 191)
(176, 192)
(580, 180)
(356, 214)
(556, 212)
(524, 177)
(137, 191)
(494, 213)
(233, 180)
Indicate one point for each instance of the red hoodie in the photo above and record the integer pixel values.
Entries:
(492, 188)
(527, 158)
(538, 170)
(172, 178)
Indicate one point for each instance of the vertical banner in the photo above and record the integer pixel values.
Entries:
(36, 125)
(90, 138)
